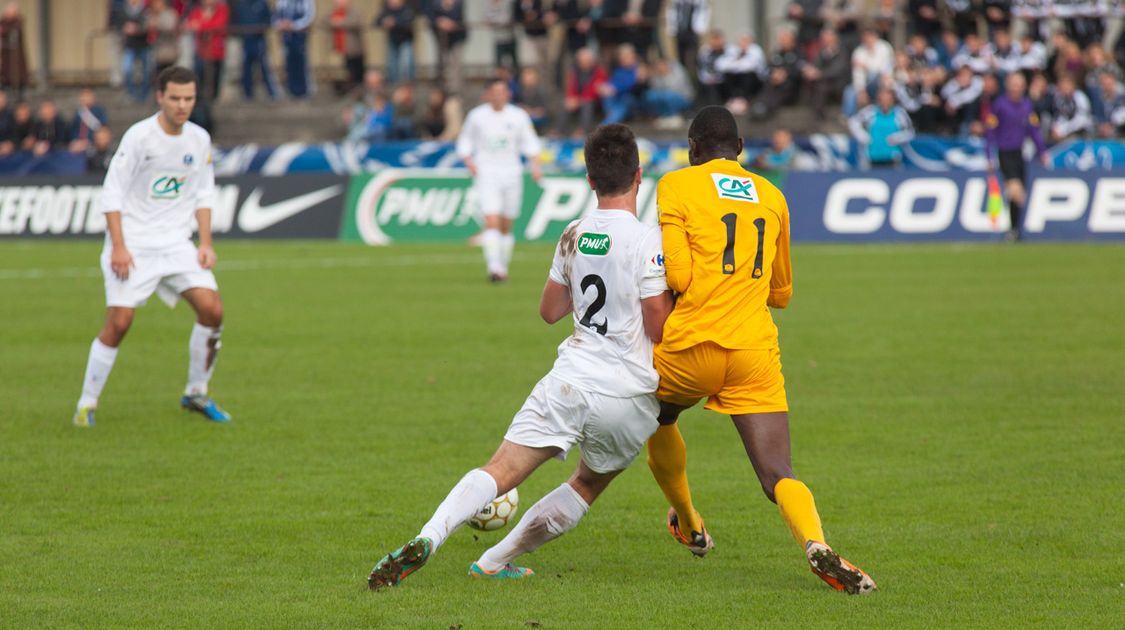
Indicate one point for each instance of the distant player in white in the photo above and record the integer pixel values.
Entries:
(608, 271)
(495, 136)
(160, 177)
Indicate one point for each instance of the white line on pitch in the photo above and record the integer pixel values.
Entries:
(37, 273)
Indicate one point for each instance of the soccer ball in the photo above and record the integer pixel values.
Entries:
(497, 514)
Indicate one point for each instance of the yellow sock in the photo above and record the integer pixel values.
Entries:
(799, 511)
(667, 458)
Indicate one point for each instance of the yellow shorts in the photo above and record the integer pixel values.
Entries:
(733, 381)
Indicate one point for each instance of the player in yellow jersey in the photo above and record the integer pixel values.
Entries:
(726, 252)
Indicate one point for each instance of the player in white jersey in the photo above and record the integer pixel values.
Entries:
(608, 271)
(494, 138)
(158, 180)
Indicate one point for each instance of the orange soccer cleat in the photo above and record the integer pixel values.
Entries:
(837, 572)
(699, 543)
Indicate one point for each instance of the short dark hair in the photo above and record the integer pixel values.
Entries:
(714, 129)
(174, 74)
(612, 159)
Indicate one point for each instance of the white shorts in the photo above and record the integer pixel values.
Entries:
(499, 195)
(168, 273)
(612, 431)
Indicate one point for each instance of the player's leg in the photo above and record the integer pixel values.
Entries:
(613, 432)
(552, 516)
(491, 203)
(507, 468)
(685, 377)
(766, 439)
(197, 286)
(99, 363)
(122, 296)
(512, 197)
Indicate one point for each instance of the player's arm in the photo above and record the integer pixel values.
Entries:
(656, 298)
(120, 260)
(531, 147)
(677, 250)
(555, 302)
(465, 141)
(655, 311)
(122, 170)
(781, 278)
(204, 200)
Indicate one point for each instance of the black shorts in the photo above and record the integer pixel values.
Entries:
(1012, 166)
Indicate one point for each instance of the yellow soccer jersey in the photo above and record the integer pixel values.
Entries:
(726, 249)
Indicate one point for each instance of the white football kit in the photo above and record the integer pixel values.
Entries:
(157, 181)
(600, 392)
(496, 140)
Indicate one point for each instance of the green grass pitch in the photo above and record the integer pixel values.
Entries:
(958, 411)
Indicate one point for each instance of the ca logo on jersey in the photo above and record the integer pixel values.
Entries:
(593, 244)
(166, 187)
(736, 188)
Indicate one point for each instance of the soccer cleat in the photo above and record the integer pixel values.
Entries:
(396, 565)
(506, 572)
(699, 543)
(497, 278)
(837, 572)
(201, 403)
(84, 417)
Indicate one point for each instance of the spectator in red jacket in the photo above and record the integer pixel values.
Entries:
(582, 83)
(209, 21)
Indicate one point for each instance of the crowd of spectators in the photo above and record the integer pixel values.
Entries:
(43, 128)
(937, 61)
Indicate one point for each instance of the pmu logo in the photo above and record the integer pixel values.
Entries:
(734, 188)
(593, 244)
(166, 187)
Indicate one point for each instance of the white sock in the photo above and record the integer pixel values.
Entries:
(98, 367)
(475, 490)
(507, 244)
(492, 254)
(203, 349)
(551, 517)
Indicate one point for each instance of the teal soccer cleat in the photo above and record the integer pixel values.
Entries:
(506, 572)
(201, 403)
(396, 565)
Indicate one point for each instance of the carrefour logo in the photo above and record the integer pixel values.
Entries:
(736, 188)
(166, 186)
(593, 244)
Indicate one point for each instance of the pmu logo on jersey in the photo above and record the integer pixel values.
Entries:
(166, 186)
(593, 244)
(735, 188)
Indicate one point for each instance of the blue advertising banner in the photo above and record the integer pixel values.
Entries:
(913, 205)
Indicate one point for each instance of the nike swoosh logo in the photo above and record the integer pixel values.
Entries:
(254, 217)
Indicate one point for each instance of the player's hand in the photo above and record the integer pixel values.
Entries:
(1045, 160)
(536, 172)
(472, 166)
(120, 262)
(207, 256)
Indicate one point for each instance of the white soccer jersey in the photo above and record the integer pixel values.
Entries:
(610, 261)
(497, 139)
(157, 181)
